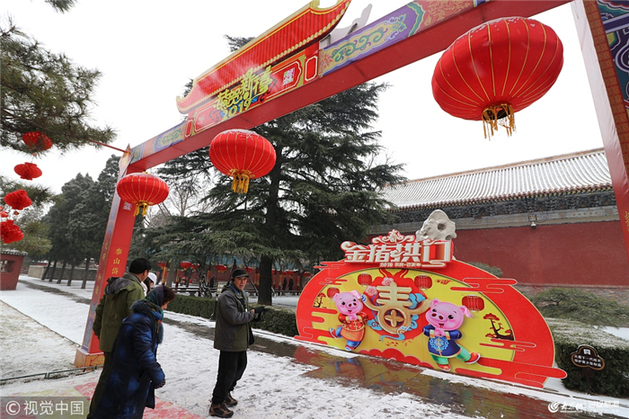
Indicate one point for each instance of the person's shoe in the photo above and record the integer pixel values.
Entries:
(230, 401)
(474, 357)
(221, 411)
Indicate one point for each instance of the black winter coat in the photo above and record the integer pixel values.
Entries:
(135, 370)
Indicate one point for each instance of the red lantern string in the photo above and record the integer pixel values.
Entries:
(9, 232)
(18, 200)
(37, 141)
(28, 171)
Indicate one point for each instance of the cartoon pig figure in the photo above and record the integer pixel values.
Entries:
(353, 320)
(444, 320)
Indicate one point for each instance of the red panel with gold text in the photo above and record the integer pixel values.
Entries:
(410, 300)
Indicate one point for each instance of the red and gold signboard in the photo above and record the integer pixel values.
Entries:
(410, 300)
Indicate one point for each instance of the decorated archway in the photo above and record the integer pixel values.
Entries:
(277, 74)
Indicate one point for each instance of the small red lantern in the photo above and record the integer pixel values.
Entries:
(37, 141)
(474, 302)
(364, 279)
(423, 281)
(220, 268)
(28, 171)
(496, 69)
(332, 291)
(307, 274)
(9, 232)
(162, 264)
(185, 264)
(18, 200)
(142, 189)
(243, 155)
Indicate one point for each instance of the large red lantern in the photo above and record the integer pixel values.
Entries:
(496, 69)
(186, 264)
(142, 189)
(28, 171)
(9, 232)
(243, 155)
(37, 141)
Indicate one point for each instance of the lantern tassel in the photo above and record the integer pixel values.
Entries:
(142, 204)
(240, 183)
(498, 115)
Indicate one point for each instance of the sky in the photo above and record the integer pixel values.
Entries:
(148, 50)
(41, 331)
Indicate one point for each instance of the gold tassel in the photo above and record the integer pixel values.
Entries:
(241, 182)
(498, 115)
(142, 204)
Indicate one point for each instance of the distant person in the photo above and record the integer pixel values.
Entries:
(135, 372)
(150, 282)
(232, 337)
(115, 305)
(290, 284)
(284, 284)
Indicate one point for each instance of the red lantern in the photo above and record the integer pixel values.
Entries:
(18, 200)
(496, 69)
(37, 141)
(185, 264)
(220, 268)
(423, 281)
(162, 264)
(332, 291)
(10, 232)
(196, 266)
(28, 171)
(474, 302)
(307, 274)
(364, 279)
(243, 155)
(142, 189)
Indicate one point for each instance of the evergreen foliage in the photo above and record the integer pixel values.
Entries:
(575, 304)
(44, 91)
(323, 190)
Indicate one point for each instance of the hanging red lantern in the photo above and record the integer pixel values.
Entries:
(37, 141)
(364, 279)
(162, 264)
(220, 268)
(423, 281)
(9, 232)
(28, 171)
(474, 302)
(243, 155)
(307, 274)
(332, 291)
(18, 200)
(496, 69)
(185, 264)
(142, 189)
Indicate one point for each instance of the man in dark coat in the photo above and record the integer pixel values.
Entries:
(115, 305)
(135, 372)
(232, 337)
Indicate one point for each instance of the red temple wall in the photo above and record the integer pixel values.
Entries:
(576, 254)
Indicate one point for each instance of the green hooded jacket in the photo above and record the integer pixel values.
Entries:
(115, 305)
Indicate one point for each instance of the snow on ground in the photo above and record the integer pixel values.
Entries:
(273, 386)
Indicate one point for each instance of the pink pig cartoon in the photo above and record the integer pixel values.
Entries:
(352, 318)
(444, 320)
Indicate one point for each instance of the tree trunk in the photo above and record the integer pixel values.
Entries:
(87, 270)
(71, 275)
(172, 273)
(63, 270)
(266, 278)
(43, 278)
(52, 273)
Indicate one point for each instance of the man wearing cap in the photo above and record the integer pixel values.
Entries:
(232, 337)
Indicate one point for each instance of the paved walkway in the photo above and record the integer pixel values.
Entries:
(459, 396)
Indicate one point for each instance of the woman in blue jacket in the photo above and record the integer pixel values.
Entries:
(135, 371)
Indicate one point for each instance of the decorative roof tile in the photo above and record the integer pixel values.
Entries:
(576, 172)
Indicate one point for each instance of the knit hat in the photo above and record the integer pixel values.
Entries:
(239, 272)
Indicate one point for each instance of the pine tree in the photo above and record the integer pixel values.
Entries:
(43, 91)
(322, 191)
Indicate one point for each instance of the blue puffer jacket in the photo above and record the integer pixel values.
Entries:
(135, 370)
